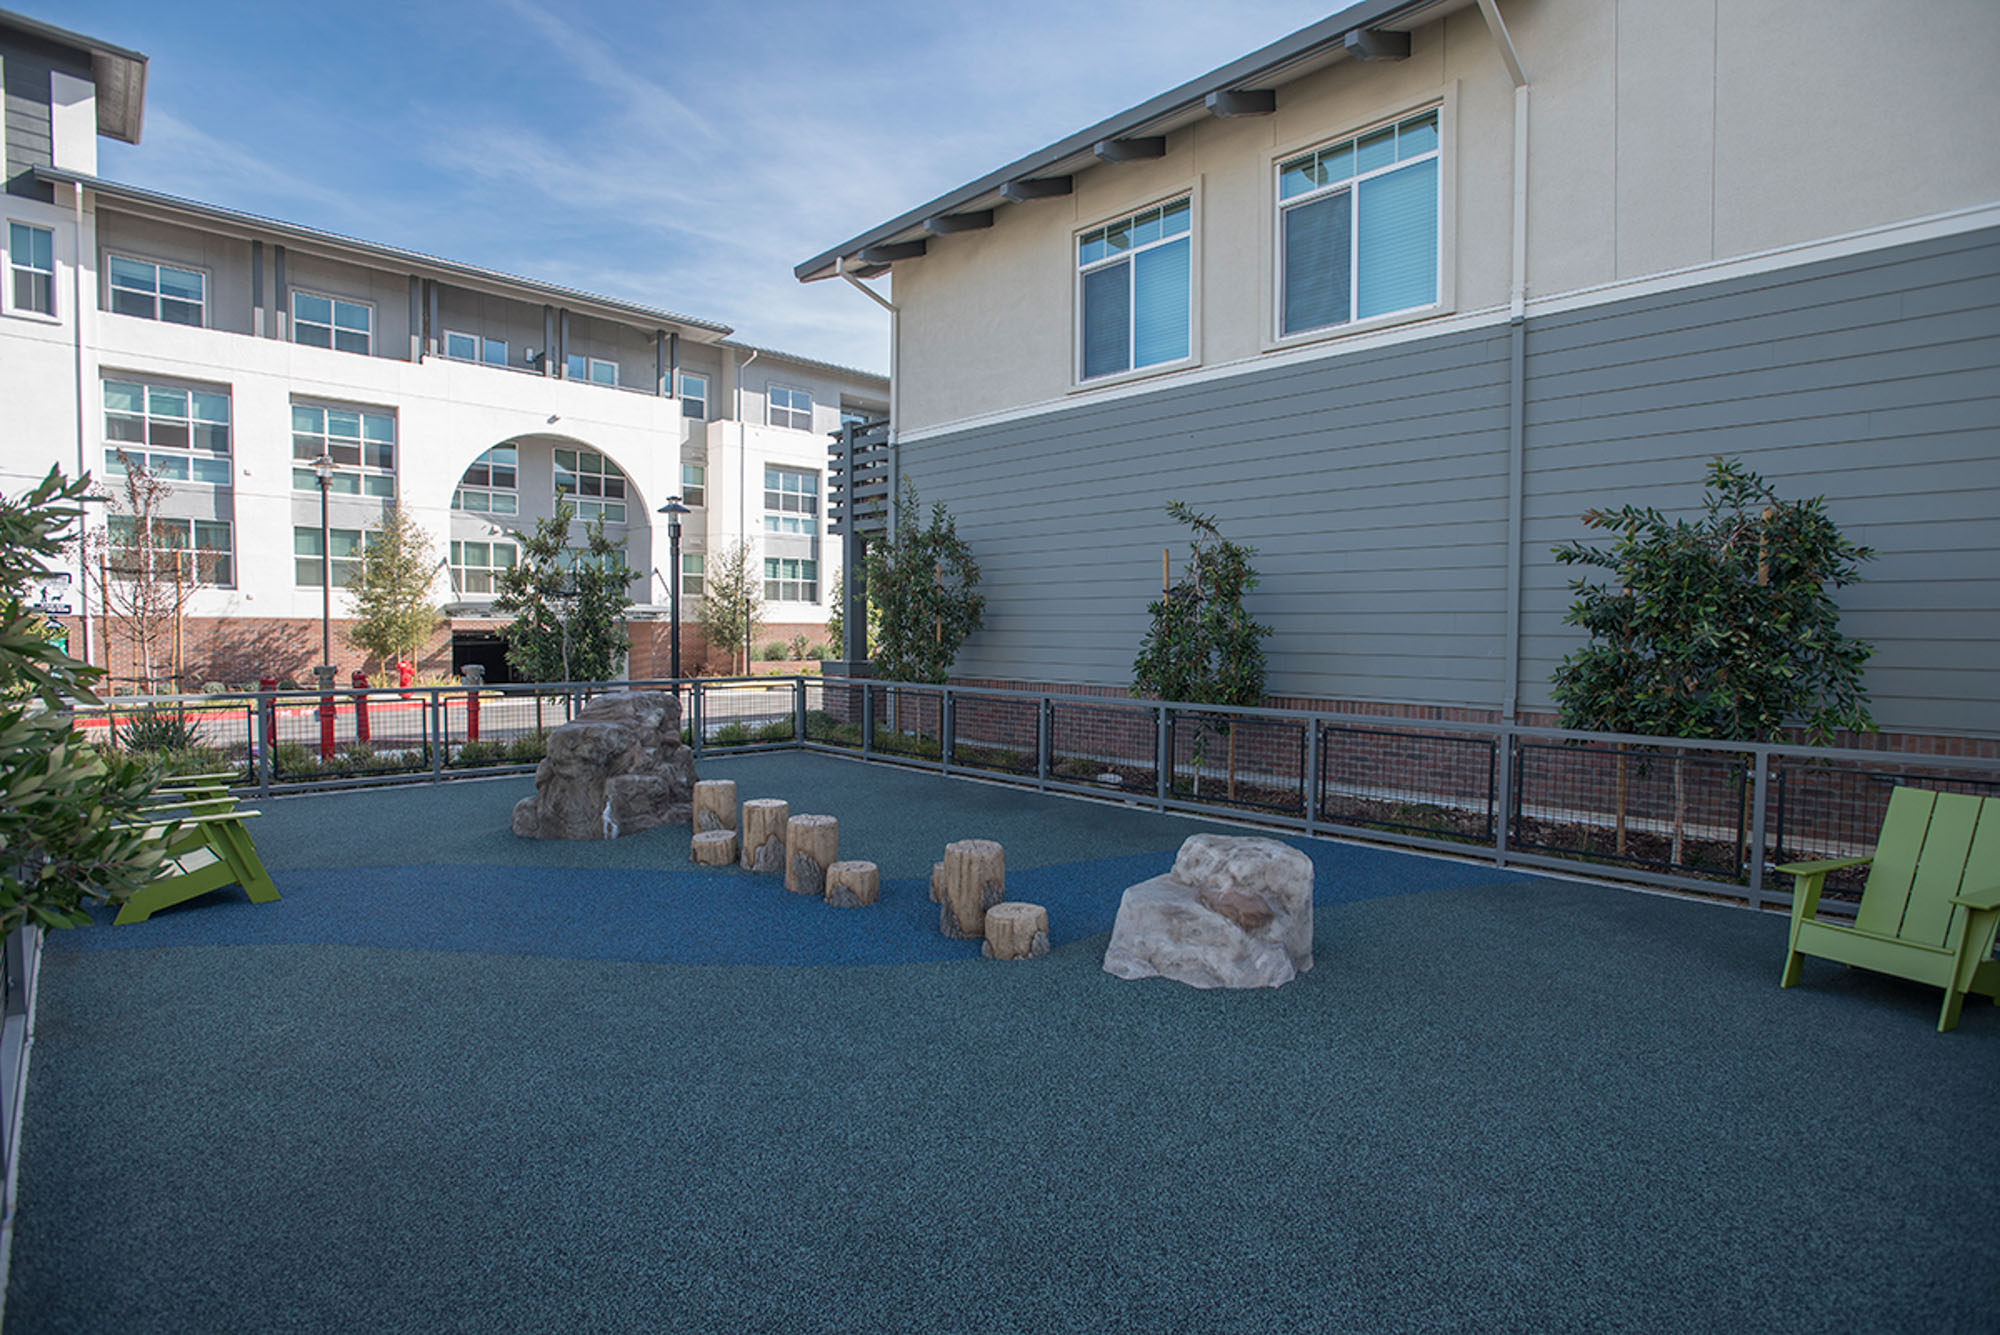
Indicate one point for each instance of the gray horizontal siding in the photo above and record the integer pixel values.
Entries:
(25, 65)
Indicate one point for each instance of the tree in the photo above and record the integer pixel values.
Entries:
(1720, 627)
(923, 585)
(567, 602)
(732, 602)
(1204, 647)
(391, 596)
(68, 813)
(149, 568)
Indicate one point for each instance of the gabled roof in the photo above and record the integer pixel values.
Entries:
(797, 360)
(584, 303)
(1281, 62)
(120, 75)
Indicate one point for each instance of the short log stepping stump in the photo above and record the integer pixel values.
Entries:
(714, 805)
(812, 844)
(713, 848)
(853, 885)
(974, 880)
(1016, 931)
(764, 822)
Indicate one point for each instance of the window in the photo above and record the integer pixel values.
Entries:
(200, 547)
(328, 322)
(361, 442)
(476, 567)
(31, 259)
(157, 291)
(591, 483)
(694, 396)
(791, 500)
(693, 567)
(789, 581)
(348, 546)
(475, 348)
(1358, 227)
(791, 408)
(1133, 291)
(169, 430)
(597, 372)
(488, 486)
(859, 416)
(694, 485)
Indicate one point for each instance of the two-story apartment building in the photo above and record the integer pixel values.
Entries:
(226, 353)
(1401, 296)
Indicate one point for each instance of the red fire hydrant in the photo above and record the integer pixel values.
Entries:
(360, 680)
(406, 673)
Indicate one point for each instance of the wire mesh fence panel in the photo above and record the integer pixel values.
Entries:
(497, 726)
(1820, 811)
(748, 713)
(1437, 784)
(177, 736)
(833, 711)
(346, 735)
(1104, 745)
(908, 721)
(997, 733)
(1256, 763)
(1664, 809)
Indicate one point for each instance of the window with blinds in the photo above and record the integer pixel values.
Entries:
(1134, 291)
(1358, 227)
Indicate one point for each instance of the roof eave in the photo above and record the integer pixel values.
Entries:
(113, 68)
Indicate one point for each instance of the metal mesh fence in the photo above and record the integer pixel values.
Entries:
(1440, 785)
(908, 721)
(997, 733)
(743, 713)
(1684, 811)
(833, 712)
(1254, 763)
(1823, 811)
(196, 735)
(1104, 746)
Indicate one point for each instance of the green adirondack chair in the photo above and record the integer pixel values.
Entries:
(1930, 907)
(208, 848)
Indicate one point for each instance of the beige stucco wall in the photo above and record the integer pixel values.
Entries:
(1663, 134)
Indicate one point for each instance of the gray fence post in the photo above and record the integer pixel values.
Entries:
(1163, 755)
(947, 726)
(1042, 731)
(799, 712)
(1503, 817)
(265, 711)
(699, 727)
(1759, 823)
(1313, 776)
(867, 719)
(438, 725)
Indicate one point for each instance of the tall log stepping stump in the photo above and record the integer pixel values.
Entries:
(812, 844)
(974, 880)
(714, 805)
(764, 822)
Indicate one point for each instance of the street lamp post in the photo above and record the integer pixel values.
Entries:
(673, 510)
(323, 466)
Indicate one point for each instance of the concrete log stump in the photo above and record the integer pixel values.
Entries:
(937, 883)
(1016, 932)
(714, 805)
(763, 847)
(975, 879)
(713, 848)
(853, 885)
(812, 844)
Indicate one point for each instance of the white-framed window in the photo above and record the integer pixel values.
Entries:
(694, 568)
(594, 369)
(31, 269)
(477, 567)
(791, 500)
(1358, 227)
(360, 441)
(694, 485)
(790, 408)
(157, 291)
(1135, 291)
(790, 581)
(475, 348)
(488, 487)
(349, 546)
(177, 432)
(329, 322)
(200, 547)
(694, 396)
(591, 483)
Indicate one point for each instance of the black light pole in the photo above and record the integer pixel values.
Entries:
(673, 510)
(323, 466)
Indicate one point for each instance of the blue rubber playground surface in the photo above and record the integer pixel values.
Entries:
(458, 1081)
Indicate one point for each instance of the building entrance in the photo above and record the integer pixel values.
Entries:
(488, 648)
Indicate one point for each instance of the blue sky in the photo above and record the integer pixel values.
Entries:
(683, 155)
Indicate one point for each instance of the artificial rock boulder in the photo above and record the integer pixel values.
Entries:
(1234, 912)
(616, 768)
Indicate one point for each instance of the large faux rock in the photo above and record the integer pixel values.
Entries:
(616, 768)
(1234, 912)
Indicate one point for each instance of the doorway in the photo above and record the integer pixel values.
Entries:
(487, 648)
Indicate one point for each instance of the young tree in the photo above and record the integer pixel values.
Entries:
(67, 811)
(1204, 647)
(732, 602)
(148, 569)
(1721, 627)
(391, 596)
(923, 585)
(567, 603)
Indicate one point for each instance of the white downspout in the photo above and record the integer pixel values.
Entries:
(82, 446)
(743, 497)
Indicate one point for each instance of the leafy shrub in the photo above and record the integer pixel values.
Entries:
(797, 647)
(214, 688)
(288, 684)
(157, 728)
(772, 652)
(528, 746)
(193, 760)
(779, 730)
(823, 727)
(730, 734)
(817, 652)
(1078, 767)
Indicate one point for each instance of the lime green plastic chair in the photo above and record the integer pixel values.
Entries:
(1930, 907)
(208, 847)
